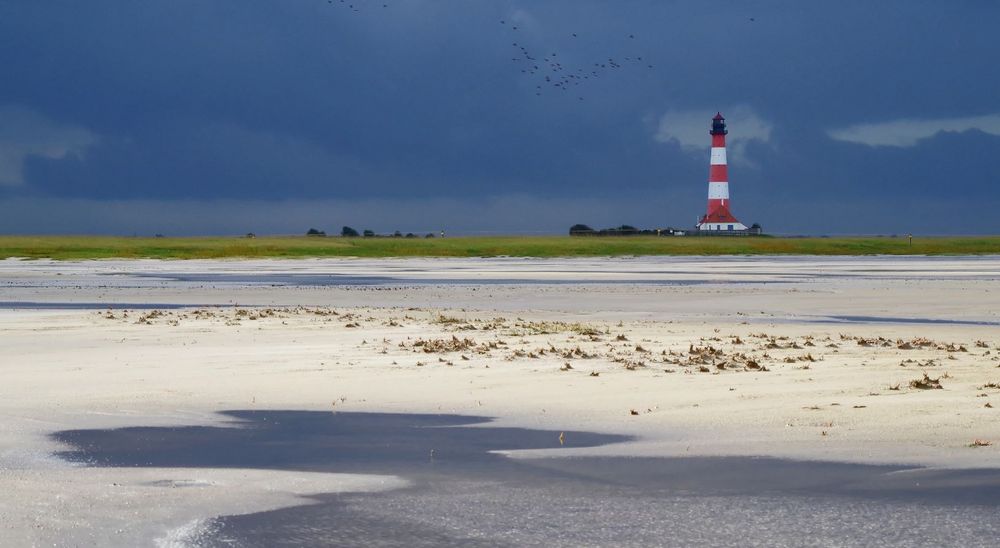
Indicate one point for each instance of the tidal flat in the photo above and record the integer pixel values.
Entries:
(846, 380)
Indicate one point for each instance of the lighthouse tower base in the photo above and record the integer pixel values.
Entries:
(720, 219)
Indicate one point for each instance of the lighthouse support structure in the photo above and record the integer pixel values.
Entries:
(718, 217)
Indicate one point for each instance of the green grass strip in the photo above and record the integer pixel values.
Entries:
(107, 247)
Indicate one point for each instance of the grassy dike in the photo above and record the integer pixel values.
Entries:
(104, 247)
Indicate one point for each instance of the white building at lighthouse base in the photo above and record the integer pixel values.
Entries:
(722, 226)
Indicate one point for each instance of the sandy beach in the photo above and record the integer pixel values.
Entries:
(866, 360)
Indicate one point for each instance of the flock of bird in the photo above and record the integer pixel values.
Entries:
(549, 72)
(553, 75)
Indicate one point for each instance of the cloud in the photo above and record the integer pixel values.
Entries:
(907, 132)
(25, 132)
(212, 160)
(499, 214)
(689, 129)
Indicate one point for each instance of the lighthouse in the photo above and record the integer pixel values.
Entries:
(718, 217)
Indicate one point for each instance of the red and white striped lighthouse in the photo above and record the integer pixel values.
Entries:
(718, 216)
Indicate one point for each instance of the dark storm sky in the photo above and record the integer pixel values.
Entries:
(200, 116)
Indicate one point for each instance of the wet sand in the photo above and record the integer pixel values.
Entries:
(462, 492)
(812, 359)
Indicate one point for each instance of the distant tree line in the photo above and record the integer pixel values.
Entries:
(623, 230)
(348, 232)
